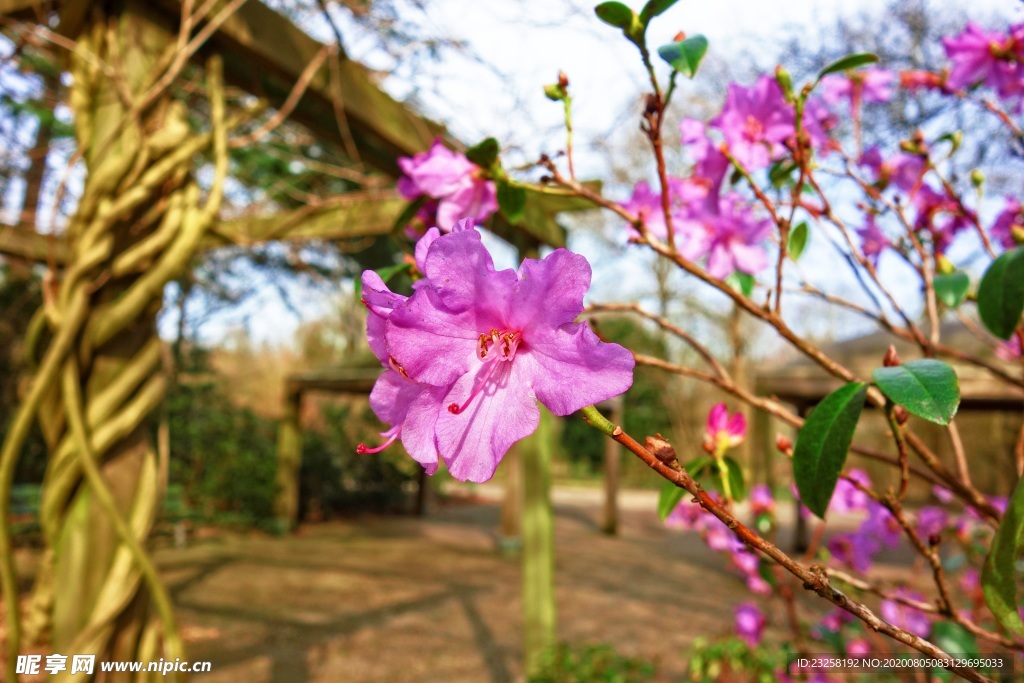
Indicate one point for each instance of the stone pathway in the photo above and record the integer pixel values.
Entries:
(402, 599)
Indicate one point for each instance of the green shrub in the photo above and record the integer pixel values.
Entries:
(593, 664)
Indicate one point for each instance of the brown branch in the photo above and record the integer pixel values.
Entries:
(814, 578)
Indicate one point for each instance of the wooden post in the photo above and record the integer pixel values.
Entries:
(612, 459)
(289, 461)
(538, 545)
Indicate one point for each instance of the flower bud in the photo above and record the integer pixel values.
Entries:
(977, 178)
(943, 265)
(784, 443)
(891, 358)
(661, 448)
(1017, 233)
(563, 79)
(934, 540)
(679, 37)
(784, 80)
(901, 415)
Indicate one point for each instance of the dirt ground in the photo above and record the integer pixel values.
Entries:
(405, 599)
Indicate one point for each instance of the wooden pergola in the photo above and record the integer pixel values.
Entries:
(263, 53)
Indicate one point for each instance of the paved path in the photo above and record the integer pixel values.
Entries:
(401, 599)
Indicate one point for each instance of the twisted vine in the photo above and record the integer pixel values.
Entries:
(137, 226)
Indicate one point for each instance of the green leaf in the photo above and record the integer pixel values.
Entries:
(797, 240)
(484, 153)
(653, 8)
(999, 577)
(685, 56)
(951, 288)
(408, 213)
(822, 445)
(737, 483)
(668, 498)
(1001, 293)
(927, 388)
(386, 273)
(744, 282)
(512, 202)
(697, 466)
(615, 14)
(848, 62)
(952, 637)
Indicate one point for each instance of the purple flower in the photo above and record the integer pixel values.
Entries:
(834, 620)
(450, 178)
(761, 500)
(904, 617)
(731, 236)
(488, 345)
(990, 57)
(931, 521)
(1002, 228)
(847, 497)
(858, 647)
(687, 516)
(856, 550)
(755, 122)
(720, 539)
(881, 525)
(873, 241)
(709, 163)
(943, 495)
(750, 623)
(819, 121)
(870, 85)
(684, 194)
(902, 170)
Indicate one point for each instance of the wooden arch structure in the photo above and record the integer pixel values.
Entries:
(141, 218)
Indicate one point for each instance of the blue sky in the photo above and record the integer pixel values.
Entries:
(517, 47)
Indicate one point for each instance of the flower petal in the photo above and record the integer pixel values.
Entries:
(473, 442)
(570, 368)
(418, 430)
(550, 291)
(392, 395)
(463, 275)
(433, 344)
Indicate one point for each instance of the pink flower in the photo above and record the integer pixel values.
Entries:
(943, 495)
(1002, 228)
(450, 178)
(487, 345)
(873, 241)
(750, 623)
(990, 57)
(755, 122)
(1009, 350)
(904, 617)
(870, 85)
(724, 431)
(731, 236)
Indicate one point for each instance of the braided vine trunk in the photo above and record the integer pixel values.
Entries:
(98, 378)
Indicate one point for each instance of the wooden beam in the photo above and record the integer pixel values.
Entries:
(23, 242)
